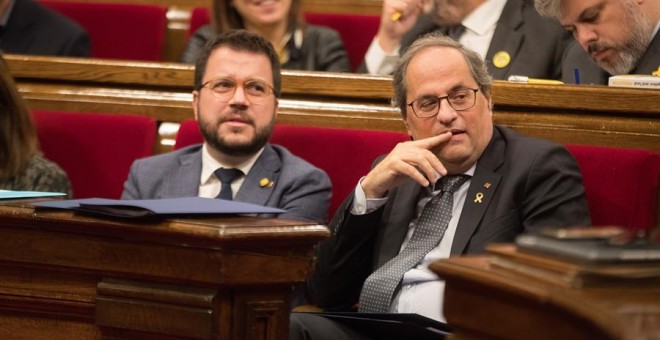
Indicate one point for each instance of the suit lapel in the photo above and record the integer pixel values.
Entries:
(506, 38)
(267, 169)
(483, 187)
(185, 178)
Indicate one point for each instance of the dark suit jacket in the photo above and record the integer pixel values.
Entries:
(35, 29)
(533, 184)
(322, 50)
(300, 188)
(536, 44)
(591, 73)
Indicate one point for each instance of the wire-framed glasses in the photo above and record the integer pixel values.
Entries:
(429, 106)
(224, 88)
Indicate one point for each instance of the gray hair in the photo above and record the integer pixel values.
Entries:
(548, 8)
(478, 68)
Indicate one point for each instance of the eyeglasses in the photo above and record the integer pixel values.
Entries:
(429, 106)
(224, 88)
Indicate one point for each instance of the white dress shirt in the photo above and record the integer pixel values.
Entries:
(209, 185)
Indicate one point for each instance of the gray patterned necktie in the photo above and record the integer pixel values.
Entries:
(379, 287)
(226, 176)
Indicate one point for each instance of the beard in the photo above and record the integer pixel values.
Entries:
(632, 49)
(211, 135)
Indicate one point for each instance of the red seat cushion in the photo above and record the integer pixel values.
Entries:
(119, 31)
(96, 150)
(344, 154)
(621, 184)
(357, 31)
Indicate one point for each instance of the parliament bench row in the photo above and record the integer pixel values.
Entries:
(131, 31)
(97, 149)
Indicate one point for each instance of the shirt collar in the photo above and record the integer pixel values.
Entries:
(210, 164)
(484, 18)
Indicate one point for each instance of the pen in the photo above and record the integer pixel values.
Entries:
(577, 76)
(528, 80)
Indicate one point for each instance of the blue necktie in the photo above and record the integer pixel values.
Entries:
(379, 287)
(226, 176)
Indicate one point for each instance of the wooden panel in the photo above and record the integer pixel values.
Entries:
(206, 278)
(480, 302)
(595, 115)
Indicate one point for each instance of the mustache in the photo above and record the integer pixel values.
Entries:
(236, 115)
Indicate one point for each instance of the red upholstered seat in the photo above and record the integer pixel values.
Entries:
(119, 31)
(621, 184)
(96, 150)
(346, 155)
(356, 30)
(199, 16)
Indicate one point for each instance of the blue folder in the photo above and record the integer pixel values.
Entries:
(159, 207)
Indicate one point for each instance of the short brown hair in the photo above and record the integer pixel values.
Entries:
(477, 66)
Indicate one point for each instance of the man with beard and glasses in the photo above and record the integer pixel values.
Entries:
(237, 83)
(613, 37)
(509, 35)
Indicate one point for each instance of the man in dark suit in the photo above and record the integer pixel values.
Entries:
(27, 27)
(237, 83)
(513, 184)
(612, 37)
(510, 35)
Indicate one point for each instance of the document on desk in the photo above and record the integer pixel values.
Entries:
(393, 325)
(159, 207)
(11, 194)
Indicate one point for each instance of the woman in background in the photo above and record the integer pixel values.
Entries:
(22, 167)
(300, 47)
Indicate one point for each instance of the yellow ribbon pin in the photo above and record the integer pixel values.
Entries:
(656, 72)
(264, 182)
(478, 198)
(501, 59)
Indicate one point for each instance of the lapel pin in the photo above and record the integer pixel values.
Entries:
(487, 185)
(478, 198)
(501, 59)
(264, 182)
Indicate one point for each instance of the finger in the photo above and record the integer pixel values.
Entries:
(433, 142)
(431, 167)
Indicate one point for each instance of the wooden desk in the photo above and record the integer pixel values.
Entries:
(482, 302)
(71, 276)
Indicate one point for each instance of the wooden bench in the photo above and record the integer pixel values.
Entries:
(584, 115)
(589, 115)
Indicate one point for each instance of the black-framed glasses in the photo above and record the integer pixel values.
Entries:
(459, 100)
(224, 88)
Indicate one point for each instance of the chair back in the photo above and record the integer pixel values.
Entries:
(96, 150)
(119, 30)
(621, 184)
